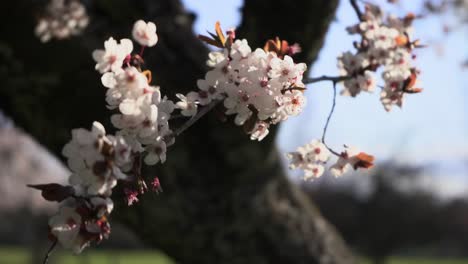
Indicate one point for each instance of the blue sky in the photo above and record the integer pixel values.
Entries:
(432, 126)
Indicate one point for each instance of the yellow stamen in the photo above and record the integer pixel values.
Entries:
(148, 75)
(401, 40)
(219, 33)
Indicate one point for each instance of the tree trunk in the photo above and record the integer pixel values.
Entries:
(226, 199)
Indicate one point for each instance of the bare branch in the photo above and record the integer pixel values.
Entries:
(49, 252)
(194, 119)
(334, 79)
(355, 6)
(325, 128)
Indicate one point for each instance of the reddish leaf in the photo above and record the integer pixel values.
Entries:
(284, 47)
(273, 45)
(408, 86)
(53, 192)
(414, 90)
(364, 161)
(280, 47)
(210, 41)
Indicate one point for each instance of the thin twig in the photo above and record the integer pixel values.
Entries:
(355, 6)
(332, 110)
(49, 252)
(194, 119)
(326, 78)
(334, 80)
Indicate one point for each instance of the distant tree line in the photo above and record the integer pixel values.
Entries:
(390, 221)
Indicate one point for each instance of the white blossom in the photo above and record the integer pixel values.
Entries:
(260, 131)
(187, 104)
(156, 153)
(313, 171)
(145, 33)
(65, 226)
(215, 58)
(113, 55)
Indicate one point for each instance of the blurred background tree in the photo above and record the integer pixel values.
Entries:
(395, 215)
(227, 199)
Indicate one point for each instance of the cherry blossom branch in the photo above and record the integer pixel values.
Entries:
(325, 128)
(334, 79)
(355, 6)
(141, 104)
(193, 120)
(49, 252)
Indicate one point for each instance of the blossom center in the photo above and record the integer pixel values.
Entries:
(317, 151)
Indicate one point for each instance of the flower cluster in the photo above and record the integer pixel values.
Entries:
(311, 159)
(97, 161)
(143, 116)
(385, 42)
(80, 222)
(349, 158)
(259, 87)
(62, 19)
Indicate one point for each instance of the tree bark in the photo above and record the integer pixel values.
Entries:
(226, 199)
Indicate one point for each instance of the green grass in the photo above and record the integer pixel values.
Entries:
(108, 257)
(22, 256)
(420, 260)
(13, 256)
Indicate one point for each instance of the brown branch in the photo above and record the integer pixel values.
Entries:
(49, 252)
(356, 8)
(325, 128)
(194, 119)
(334, 79)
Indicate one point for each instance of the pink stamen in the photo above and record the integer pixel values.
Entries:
(131, 196)
(112, 59)
(156, 185)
